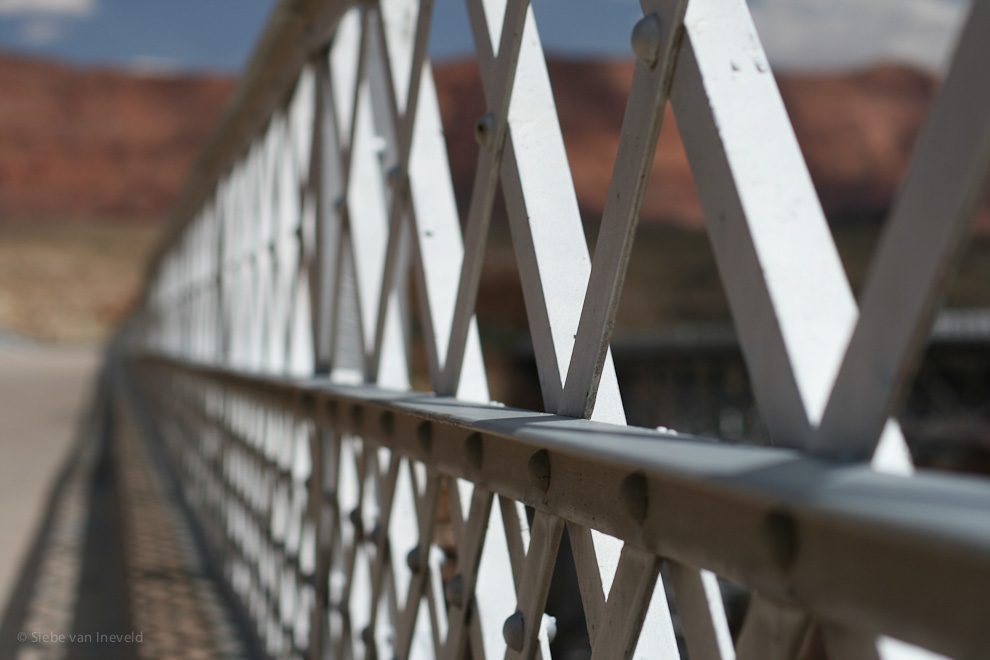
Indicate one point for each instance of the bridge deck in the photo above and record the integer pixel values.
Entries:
(43, 391)
(115, 570)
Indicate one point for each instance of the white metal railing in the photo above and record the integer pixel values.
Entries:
(271, 351)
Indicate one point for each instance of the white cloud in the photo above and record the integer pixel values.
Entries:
(154, 66)
(78, 8)
(834, 34)
(41, 31)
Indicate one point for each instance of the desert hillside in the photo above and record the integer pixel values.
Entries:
(91, 144)
(857, 131)
(92, 159)
(97, 144)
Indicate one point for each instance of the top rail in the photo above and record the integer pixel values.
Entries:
(848, 548)
(294, 31)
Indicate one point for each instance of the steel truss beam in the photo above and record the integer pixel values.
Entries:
(283, 279)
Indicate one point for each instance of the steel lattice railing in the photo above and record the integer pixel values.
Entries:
(270, 353)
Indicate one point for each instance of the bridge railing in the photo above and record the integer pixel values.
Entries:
(357, 518)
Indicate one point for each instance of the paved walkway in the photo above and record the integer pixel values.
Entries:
(98, 560)
(43, 393)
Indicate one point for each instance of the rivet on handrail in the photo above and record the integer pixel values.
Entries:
(782, 534)
(474, 448)
(539, 469)
(387, 423)
(424, 434)
(634, 495)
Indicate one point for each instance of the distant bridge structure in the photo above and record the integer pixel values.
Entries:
(355, 517)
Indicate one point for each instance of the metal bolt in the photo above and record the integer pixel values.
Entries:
(634, 495)
(307, 404)
(357, 522)
(539, 469)
(368, 636)
(782, 533)
(484, 130)
(424, 433)
(474, 448)
(550, 625)
(331, 411)
(394, 177)
(513, 631)
(387, 422)
(646, 38)
(379, 144)
(414, 560)
(454, 591)
(378, 535)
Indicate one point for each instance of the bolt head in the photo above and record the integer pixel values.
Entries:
(357, 522)
(394, 177)
(484, 130)
(782, 533)
(646, 38)
(414, 560)
(634, 493)
(387, 422)
(513, 630)
(454, 591)
(474, 447)
(424, 435)
(539, 469)
(550, 625)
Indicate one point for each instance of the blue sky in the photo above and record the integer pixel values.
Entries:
(218, 34)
